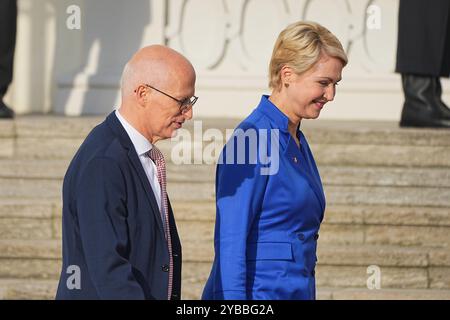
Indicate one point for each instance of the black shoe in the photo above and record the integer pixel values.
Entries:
(423, 106)
(442, 106)
(5, 112)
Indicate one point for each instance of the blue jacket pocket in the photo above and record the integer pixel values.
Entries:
(269, 251)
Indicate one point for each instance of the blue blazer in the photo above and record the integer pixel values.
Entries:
(267, 222)
(112, 228)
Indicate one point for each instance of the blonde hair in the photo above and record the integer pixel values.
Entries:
(300, 46)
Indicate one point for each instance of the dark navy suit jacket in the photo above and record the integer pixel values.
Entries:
(112, 228)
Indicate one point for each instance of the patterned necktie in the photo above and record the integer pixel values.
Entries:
(160, 163)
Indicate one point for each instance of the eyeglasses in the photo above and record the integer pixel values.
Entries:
(185, 105)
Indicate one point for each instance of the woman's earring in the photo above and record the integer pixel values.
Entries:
(286, 85)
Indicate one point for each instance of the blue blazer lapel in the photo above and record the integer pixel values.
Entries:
(315, 184)
(122, 135)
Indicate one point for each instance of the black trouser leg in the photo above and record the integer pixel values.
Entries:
(445, 68)
(8, 25)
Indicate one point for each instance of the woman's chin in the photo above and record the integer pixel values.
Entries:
(312, 116)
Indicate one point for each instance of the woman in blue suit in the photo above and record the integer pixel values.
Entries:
(269, 195)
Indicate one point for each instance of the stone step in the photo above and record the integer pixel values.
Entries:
(202, 233)
(392, 196)
(19, 289)
(205, 211)
(406, 235)
(32, 208)
(342, 276)
(385, 176)
(346, 154)
(27, 289)
(398, 278)
(50, 188)
(30, 228)
(324, 293)
(30, 249)
(56, 169)
(386, 256)
(331, 175)
(324, 131)
(35, 169)
(365, 186)
(372, 132)
(338, 214)
(202, 237)
(30, 268)
(54, 126)
(326, 276)
(325, 154)
(333, 142)
(36, 219)
(348, 255)
(40, 219)
(387, 215)
(204, 191)
(328, 254)
(338, 266)
(34, 259)
(7, 138)
(341, 195)
(381, 155)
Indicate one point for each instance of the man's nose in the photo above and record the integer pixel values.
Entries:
(188, 114)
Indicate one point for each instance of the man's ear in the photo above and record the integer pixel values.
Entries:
(142, 94)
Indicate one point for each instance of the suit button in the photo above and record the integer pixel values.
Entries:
(165, 268)
(316, 236)
(301, 236)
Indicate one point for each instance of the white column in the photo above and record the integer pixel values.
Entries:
(112, 30)
(31, 89)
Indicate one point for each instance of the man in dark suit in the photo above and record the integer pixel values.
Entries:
(120, 240)
(8, 18)
(423, 56)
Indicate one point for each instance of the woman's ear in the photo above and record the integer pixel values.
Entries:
(286, 75)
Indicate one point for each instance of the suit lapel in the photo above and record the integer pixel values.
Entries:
(125, 141)
(134, 159)
(173, 228)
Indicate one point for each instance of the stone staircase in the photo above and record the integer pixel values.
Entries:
(388, 206)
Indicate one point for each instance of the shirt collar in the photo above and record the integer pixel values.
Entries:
(140, 143)
(275, 115)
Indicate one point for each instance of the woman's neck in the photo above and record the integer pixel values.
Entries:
(280, 102)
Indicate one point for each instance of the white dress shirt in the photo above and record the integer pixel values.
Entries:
(142, 146)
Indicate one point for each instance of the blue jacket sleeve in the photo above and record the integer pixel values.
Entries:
(240, 188)
(102, 214)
